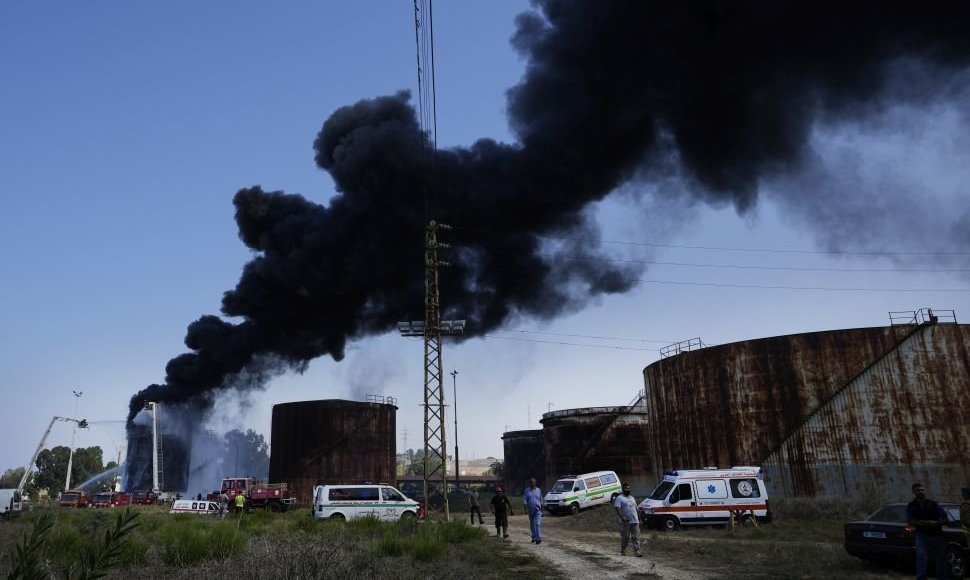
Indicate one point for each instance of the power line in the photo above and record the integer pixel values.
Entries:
(785, 268)
(731, 249)
(822, 288)
(592, 336)
(516, 338)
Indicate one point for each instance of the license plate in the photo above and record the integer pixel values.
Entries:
(879, 535)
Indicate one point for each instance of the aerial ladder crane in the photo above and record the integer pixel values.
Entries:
(82, 423)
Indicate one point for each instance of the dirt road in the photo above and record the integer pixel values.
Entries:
(585, 554)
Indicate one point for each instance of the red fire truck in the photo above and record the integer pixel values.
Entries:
(110, 499)
(73, 498)
(143, 497)
(258, 494)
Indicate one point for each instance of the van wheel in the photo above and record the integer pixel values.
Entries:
(613, 497)
(574, 508)
(408, 516)
(747, 521)
(669, 524)
(956, 564)
(338, 517)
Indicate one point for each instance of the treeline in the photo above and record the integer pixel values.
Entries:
(50, 471)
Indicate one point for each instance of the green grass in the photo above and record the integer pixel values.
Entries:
(290, 545)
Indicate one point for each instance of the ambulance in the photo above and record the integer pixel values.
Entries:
(698, 497)
(192, 506)
(572, 493)
(350, 502)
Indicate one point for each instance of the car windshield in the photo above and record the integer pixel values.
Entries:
(562, 486)
(890, 513)
(953, 512)
(662, 490)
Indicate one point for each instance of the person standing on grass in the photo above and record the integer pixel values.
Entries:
(626, 509)
(502, 510)
(532, 498)
(223, 504)
(240, 503)
(473, 506)
(927, 517)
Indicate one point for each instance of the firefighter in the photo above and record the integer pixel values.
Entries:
(240, 503)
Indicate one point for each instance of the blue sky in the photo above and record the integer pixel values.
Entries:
(125, 130)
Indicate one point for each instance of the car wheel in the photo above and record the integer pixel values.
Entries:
(669, 524)
(408, 516)
(956, 564)
(338, 517)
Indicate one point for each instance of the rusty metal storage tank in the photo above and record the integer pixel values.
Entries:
(599, 438)
(332, 441)
(858, 411)
(525, 457)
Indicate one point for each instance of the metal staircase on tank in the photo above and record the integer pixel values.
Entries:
(607, 423)
(907, 324)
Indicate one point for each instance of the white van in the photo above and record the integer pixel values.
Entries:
(192, 506)
(348, 502)
(706, 496)
(572, 493)
(10, 503)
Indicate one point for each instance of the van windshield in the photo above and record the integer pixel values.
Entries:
(662, 490)
(562, 486)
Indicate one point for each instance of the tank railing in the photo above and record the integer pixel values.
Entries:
(381, 399)
(682, 346)
(922, 316)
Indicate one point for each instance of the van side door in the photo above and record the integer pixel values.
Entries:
(594, 495)
(712, 498)
(393, 505)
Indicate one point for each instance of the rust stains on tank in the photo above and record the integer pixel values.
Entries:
(599, 438)
(525, 458)
(849, 411)
(332, 441)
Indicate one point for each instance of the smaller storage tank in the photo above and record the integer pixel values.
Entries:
(525, 457)
(600, 438)
(332, 441)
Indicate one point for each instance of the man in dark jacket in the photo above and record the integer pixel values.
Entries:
(502, 510)
(927, 518)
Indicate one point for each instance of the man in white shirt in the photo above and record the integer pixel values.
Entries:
(626, 509)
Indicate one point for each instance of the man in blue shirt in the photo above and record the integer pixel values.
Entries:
(927, 518)
(532, 498)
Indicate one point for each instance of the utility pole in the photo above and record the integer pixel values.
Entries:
(454, 391)
(432, 329)
(70, 457)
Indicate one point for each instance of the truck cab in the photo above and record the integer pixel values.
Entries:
(258, 494)
(73, 498)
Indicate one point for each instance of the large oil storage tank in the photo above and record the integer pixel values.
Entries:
(525, 458)
(843, 412)
(599, 438)
(332, 441)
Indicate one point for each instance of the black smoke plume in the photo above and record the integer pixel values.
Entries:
(728, 91)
